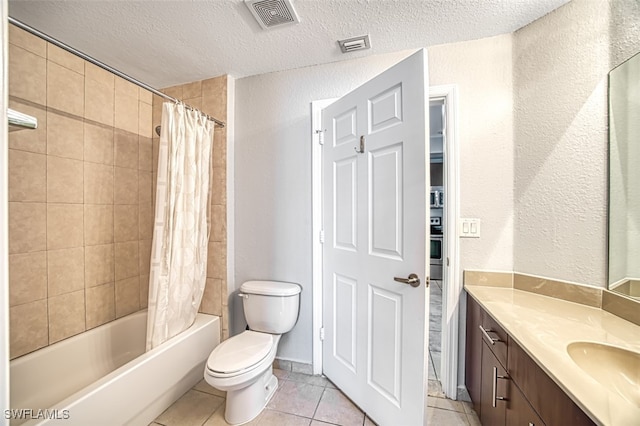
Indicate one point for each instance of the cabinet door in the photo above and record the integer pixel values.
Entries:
(493, 390)
(544, 395)
(519, 412)
(473, 353)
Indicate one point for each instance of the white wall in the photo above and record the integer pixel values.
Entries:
(482, 71)
(561, 63)
(273, 163)
(273, 178)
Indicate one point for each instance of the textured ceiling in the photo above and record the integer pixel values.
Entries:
(163, 43)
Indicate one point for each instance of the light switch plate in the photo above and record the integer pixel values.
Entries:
(469, 228)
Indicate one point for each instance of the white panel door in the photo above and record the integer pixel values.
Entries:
(375, 215)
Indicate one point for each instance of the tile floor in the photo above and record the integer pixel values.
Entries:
(435, 328)
(305, 400)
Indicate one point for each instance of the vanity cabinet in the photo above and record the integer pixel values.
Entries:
(506, 386)
(473, 354)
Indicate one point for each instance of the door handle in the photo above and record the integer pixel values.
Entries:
(412, 280)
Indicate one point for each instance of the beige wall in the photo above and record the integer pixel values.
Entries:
(561, 63)
(80, 216)
(210, 97)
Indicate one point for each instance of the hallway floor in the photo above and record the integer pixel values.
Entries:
(435, 328)
(303, 400)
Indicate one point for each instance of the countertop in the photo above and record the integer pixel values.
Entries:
(543, 326)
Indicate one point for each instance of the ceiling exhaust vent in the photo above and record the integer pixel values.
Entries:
(355, 43)
(272, 13)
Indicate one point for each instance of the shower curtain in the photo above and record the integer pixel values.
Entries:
(182, 222)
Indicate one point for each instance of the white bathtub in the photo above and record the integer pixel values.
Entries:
(104, 377)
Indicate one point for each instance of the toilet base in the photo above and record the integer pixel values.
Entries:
(244, 405)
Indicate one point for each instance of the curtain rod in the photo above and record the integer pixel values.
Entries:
(105, 66)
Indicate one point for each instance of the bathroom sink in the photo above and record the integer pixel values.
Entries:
(614, 368)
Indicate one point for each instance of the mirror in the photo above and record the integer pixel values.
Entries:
(624, 178)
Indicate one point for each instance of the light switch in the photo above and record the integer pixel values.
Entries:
(469, 228)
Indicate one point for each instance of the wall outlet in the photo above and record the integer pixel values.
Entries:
(469, 228)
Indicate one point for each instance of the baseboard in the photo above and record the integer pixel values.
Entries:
(463, 394)
(293, 366)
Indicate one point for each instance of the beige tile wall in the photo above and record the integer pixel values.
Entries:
(80, 192)
(209, 96)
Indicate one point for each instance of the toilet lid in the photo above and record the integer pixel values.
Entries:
(240, 352)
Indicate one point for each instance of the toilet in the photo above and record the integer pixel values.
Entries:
(242, 364)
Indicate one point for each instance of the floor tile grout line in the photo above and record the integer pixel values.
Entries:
(214, 411)
(318, 404)
(447, 409)
(290, 414)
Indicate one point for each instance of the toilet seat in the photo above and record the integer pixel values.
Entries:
(240, 354)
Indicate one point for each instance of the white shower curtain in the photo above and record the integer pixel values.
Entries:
(182, 222)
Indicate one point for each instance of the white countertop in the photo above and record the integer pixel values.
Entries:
(544, 326)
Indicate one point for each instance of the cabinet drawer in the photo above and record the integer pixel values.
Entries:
(495, 337)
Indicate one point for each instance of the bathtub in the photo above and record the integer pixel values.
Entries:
(104, 376)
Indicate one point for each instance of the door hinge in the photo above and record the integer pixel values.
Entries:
(320, 134)
(321, 237)
(321, 333)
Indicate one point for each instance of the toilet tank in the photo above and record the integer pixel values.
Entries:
(270, 306)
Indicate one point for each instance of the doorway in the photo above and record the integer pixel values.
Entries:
(445, 291)
(438, 201)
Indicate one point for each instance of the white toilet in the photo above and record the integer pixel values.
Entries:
(241, 365)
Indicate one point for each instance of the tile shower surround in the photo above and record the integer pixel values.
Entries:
(81, 197)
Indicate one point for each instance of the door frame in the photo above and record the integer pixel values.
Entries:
(451, 293)
(4, 211)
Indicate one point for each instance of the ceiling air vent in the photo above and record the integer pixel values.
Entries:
(272, 13)
(354, 43)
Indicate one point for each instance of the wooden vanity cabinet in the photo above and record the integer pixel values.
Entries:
(473, 354)
(518, 409)
(486, 348)
(504, 370)
(544, 395)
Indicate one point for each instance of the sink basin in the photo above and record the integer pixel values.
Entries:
(614, 368)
